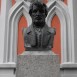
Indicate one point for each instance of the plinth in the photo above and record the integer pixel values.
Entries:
(37, 64)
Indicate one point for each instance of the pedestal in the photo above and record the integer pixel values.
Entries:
(37, 64)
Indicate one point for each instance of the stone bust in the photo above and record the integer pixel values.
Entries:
(38, 36)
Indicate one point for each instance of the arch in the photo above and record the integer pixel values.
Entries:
(60, 9)
(15, 13)
(22, 7)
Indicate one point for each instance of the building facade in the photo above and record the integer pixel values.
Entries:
(61, 15)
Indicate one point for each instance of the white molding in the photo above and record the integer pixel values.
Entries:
(54, 7)
(70, 7)
(68, 65)
(61, 10)
(16, 11)
(62, 66)
(5, 6)
(7, 70)
(8, 65)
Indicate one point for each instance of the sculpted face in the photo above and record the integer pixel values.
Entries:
(38, 36)
(38, 14)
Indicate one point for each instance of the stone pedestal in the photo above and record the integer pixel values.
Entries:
(37, 64)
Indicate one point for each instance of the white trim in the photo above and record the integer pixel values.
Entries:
(70, 7)
(54, 7)
(7, 65)
(5, 6)
(59, 8)
(16, 11)
(68, 65)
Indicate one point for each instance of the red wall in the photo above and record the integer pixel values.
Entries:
(0, 5)
(65, 1)
(57, 40)
(13, 2)
(22, 23)
(45, 1)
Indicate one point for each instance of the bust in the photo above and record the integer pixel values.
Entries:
(38, 36)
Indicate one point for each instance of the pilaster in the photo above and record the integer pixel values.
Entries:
(74, 7)
(6, 5)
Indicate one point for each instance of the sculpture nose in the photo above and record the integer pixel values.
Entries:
(38, 13)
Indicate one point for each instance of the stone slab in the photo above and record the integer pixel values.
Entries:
(29, 65)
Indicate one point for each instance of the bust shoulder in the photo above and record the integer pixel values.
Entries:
(52, 30)
(26, 30)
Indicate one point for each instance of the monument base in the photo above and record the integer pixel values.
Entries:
(37, 64)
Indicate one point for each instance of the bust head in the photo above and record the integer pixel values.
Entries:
(38, 12)
(38, 36)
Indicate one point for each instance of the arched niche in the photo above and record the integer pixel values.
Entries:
(61, 10)
(19, 9)
(22, 7)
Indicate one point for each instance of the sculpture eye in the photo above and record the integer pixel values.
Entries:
(35, 11)
(41, 11)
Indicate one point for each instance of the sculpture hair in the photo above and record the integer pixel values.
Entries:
(38, 4)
